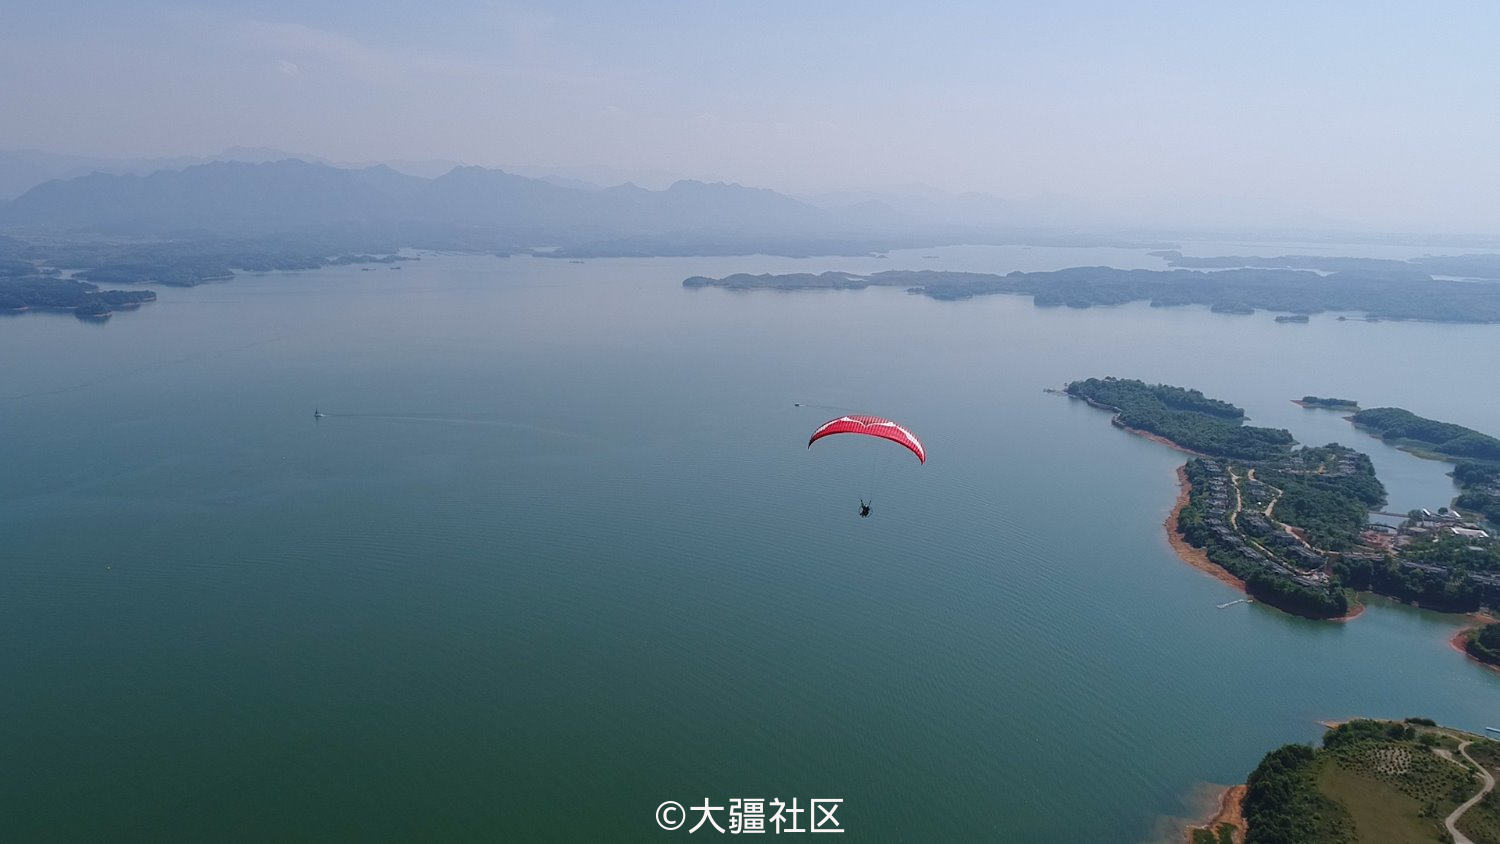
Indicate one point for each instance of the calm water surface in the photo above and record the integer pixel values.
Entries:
(558, 554)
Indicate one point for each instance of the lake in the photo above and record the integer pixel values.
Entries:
(557, 554)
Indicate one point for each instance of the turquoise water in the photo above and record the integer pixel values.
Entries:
(558, 554)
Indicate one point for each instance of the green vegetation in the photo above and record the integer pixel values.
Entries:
(1379, 291)
(1482, 822)
(1330, 403)
(1372, 781)
(1200, 522)
(194, 260)
(1283, 804)
(1326, 492)
(1331, 507)
(1223, 835)
(1462, 266)
(1452, 573)
(1480, 489)
(1185, 417)
(84, 299)
(177, 275)
(1484, 644)
(1443, 438)
(1298, 599)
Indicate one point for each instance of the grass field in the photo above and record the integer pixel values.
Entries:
(1377, 782)
(1381, 813)
(1482, 822)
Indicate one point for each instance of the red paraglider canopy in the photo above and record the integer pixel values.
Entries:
(871, 426)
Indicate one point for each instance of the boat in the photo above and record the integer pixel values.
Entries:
(318, 414)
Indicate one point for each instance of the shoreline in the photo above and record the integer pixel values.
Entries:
(1457, 640)
(1230, 811)
(1354, 612)
(1198, 558)
(1114, 420)
(1156, 438)
(1195, 557)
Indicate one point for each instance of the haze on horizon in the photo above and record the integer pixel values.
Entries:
(1355, 115)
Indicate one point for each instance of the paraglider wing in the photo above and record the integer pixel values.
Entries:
(871, 426)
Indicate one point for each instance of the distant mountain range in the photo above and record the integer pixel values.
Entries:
(236, 196)
(256, 190)
(21, 170)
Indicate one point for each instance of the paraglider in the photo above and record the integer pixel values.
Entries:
(871, 426)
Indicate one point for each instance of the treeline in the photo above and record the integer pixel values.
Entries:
(176, 275)
(1439, 575)
(1284, 803)
(1176, 398)
(1186, 417)
(1480, 489)
(1319, 401)
(1285, 594)
(1463, 266)
(1445, 438)
(1376, 292)
(83, 298)
(194, 260)
(1484, 644)
(1284, 806)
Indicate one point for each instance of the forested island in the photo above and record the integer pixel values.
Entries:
(1372, 780)
(1329, 403)
(1482, 266)
(192, 261)
(1402, 427)
(1410, 294)
(1291, 524)
(24, 288)
(33, 272)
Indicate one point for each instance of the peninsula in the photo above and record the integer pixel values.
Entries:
(1410, 780)
(21, 293)
(1265, 512)
(1404, 428)
(1292, 523)
(1379, 294)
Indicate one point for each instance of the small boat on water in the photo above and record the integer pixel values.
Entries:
(318, 414)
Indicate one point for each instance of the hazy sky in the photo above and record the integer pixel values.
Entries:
(1387, 114)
